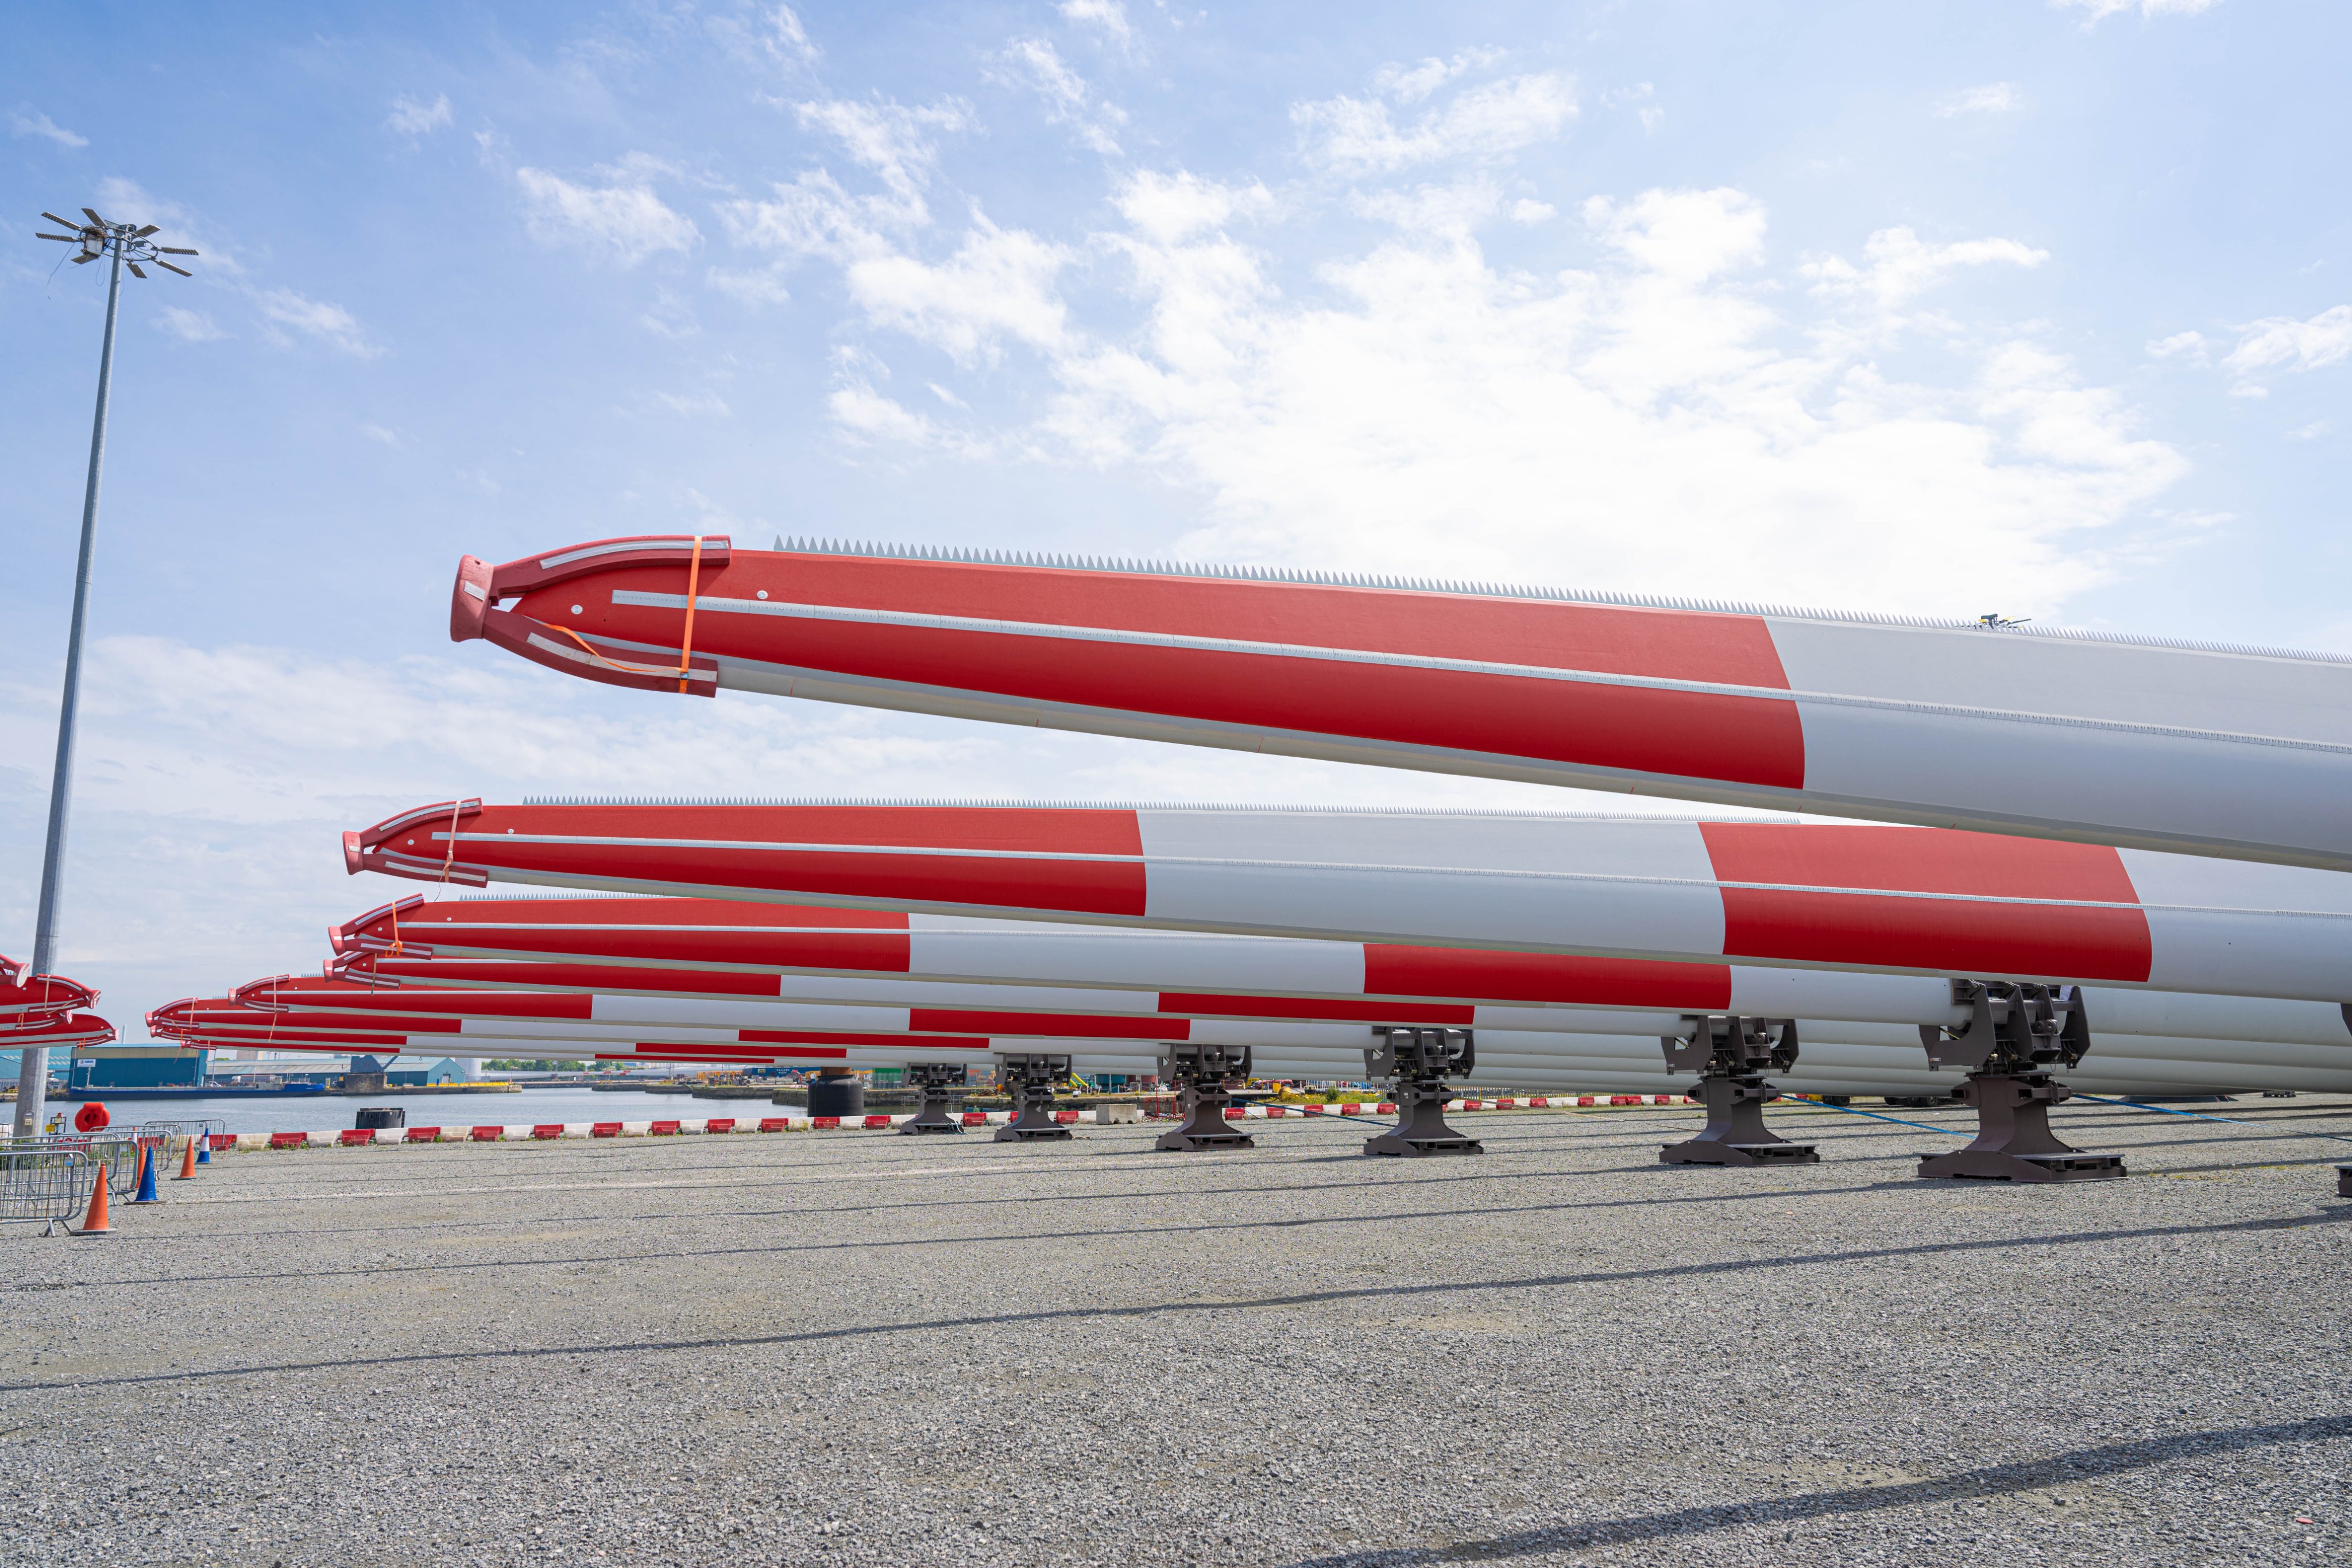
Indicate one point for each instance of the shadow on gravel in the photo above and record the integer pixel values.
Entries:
(871, 1244)
(1712, 1268)
(1446, 1175)
(1993, 1481)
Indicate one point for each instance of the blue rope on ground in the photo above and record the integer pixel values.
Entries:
(1808, 1100)
(2201, 1116)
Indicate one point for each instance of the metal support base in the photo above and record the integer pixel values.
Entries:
(1032, 1080)
(935, 1114)
(1421, 1126)
(1204, 1126)
(2013, 1141)
(2344, 1181)
(1201, 1073)
(1734, 1134)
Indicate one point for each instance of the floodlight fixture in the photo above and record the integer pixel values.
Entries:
(129, 246)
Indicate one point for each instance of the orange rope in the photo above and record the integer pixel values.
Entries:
(693, 586)
(684, 670)
(609, 663)
(451, 858)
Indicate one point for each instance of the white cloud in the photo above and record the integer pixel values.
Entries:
(1411, 84)
(2190, 344)
(330, 324)
(414, 117)
(32, 123)
(1650, 424)
(703, 404)
(997, 284)
(672, 316)
(758, 285)
(1170, 207)
(1107, 14)
(2281, 342)
(1671, 417)
(771, 36)
(2312, 432)
(623, 219)
(1901, 267)
(188, 326)
(1992, 98)
(378, 433)
(1532, 212)
(898, 144)
(2101, 9)
(1642, 99)
(1356, 136)
(1035, 65)
(126, 201)
(862, 412)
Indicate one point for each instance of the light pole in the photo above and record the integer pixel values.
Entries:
(128, 246)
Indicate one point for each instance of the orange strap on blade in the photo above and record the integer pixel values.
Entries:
(684, 670)
(450, 859)
(693, 586)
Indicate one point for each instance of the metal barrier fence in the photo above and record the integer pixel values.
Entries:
(118, 1151)
(44, 1185)
(173, 1130)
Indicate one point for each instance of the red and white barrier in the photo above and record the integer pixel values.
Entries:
(552, 1132)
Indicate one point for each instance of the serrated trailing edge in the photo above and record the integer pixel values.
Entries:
(1045, 561)
(1006, 805)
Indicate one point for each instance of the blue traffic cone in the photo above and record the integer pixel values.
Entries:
(147, 1193)
(204, 1148)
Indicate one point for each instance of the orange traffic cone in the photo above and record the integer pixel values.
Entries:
(187, 1160)
(94, 1223)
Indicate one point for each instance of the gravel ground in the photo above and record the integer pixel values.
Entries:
(859, 1348)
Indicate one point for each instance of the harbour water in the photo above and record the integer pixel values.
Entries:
(315, 1113)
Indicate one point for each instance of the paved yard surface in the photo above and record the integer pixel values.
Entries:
(856, 1347)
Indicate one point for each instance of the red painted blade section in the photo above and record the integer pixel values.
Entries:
(789, 847)
(1749, 740)
(66, 1028)
(1373, 1010)
(660, 930)
(1402, 970)
(1968, 935)
(1073, 1026)
(25, 998)
(524, 975)
(875, 1041)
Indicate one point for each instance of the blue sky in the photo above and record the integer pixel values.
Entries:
(2004, 306)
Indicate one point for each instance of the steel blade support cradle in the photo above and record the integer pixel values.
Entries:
(1841, 1059)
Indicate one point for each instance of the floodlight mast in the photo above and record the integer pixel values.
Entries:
(127, 245)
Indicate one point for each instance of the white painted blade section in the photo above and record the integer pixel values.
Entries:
(1644, 886)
